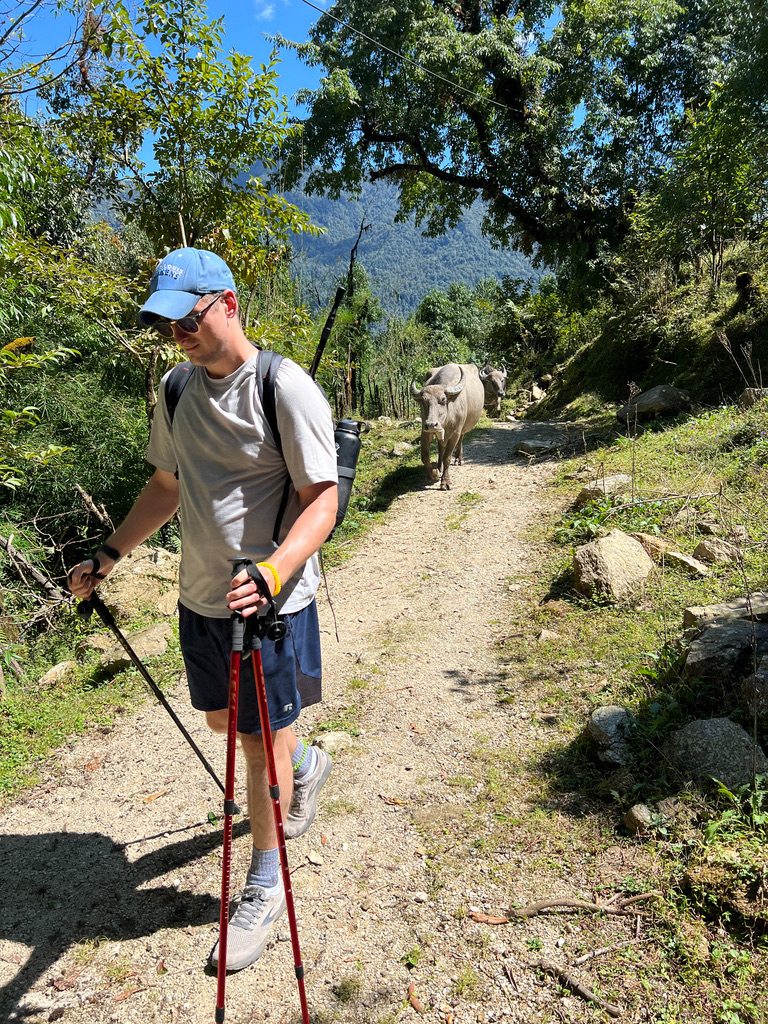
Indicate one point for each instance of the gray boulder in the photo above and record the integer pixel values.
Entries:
(611, 728)
(615, 567)
(713, 549)
(754, 690)
(151, 642)
(722, 652)
(683, 561)
(604, 487)
(663, 400)
(715, 748)
(532, 446)
(638, 819)
(751, 396)
(740, 608)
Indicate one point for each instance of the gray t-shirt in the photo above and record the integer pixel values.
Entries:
(231, 475)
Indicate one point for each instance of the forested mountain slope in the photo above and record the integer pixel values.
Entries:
(402, 264)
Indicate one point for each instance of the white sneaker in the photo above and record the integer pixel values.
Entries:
(250, 925)
(303, 807)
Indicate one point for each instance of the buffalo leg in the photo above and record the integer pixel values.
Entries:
(446, 450)
(426, 444)
(459, 453)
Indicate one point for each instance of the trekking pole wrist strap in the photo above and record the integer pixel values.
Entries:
(109, 551)
(275, 573)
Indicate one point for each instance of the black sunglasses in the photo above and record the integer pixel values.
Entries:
(189, 324)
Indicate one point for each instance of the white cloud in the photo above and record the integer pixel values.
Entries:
(264, 11)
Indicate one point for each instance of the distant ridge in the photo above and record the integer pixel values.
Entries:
(402, 265)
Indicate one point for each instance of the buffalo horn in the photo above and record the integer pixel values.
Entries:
(454, 389)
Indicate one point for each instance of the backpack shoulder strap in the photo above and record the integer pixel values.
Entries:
(175, 383)
(266, 378)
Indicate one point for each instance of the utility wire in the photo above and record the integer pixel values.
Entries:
(449, 81)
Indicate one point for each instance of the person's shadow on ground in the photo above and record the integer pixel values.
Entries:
(58, 889)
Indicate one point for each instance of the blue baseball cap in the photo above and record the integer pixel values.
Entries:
(179, 280)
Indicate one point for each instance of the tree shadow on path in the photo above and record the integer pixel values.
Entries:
(59, 888)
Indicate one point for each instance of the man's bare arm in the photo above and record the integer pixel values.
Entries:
(315, 522)
(152, 509)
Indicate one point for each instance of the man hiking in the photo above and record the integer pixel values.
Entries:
(217, 460)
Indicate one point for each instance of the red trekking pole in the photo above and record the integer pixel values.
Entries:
(238, 633)
(270, 626)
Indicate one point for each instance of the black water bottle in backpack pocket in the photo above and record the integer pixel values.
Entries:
(347, 439)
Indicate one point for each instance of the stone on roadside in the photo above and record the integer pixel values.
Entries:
(333, 742)
(715, 748)
(531, 446)
(385, 421)
(547, 634)
(613, 567)
(58, 674)
(722, 652)
(709, 526)
(663, 400)
(402, 448)
(151, 642)
(738, 534)
(751, 396)
(611, 728)
(654, 546)
(537, 393)
(740, 608)
(638, 819)
(754, 690)
(687, 562)
(136, 583)
(604, 487)
(713, 549)
(168, 603)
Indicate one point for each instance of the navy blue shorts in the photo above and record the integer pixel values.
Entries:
(292, 671)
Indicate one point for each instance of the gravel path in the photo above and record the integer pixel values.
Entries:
(110, 870)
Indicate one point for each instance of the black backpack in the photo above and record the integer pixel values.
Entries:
(346, 434)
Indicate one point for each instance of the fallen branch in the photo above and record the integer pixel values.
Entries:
(19, 562)
(608, 949)
(96, 510)
(622, 907)
(577, 987)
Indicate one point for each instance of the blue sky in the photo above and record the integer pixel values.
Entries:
(247, 25)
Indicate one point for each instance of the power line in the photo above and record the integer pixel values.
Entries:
(408, 60)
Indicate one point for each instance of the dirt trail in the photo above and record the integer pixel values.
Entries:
(110, 870)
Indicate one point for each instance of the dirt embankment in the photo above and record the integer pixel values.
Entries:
(110, 870)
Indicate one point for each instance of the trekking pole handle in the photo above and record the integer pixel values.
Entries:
(271, 626)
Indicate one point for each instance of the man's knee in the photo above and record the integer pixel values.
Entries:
(253, 746)
(217, 720)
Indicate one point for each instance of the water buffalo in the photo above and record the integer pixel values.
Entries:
(494, 384)
(451, 404)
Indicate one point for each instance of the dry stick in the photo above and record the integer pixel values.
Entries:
(620, 908)
(608, 949)
(577, 987)
(97, 510)
(18, 561)
(667, 497)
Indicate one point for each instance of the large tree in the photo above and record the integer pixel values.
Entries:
(554, 116)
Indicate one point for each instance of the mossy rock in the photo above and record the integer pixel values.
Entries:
(730, 880)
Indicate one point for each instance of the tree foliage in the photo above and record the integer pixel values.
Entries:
(555, 117)
(162, 81)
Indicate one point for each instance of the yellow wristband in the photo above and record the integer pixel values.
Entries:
(273, 570)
